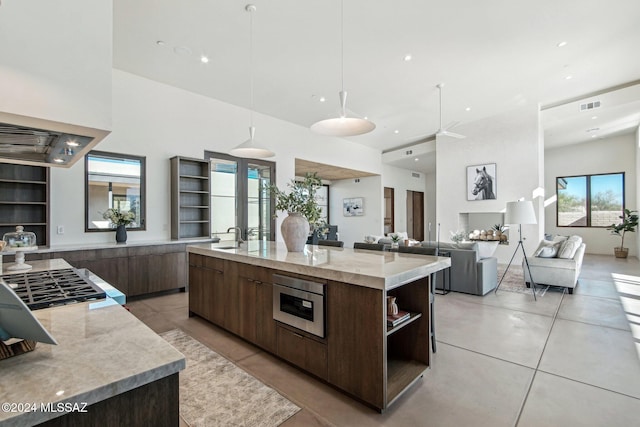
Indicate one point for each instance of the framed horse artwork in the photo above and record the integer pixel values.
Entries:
(481, 182)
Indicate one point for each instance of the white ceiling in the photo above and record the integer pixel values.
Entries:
(493, 56)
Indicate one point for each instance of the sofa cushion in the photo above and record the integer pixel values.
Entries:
(569, 247)
(547, 249)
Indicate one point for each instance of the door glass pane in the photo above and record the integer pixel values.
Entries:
(572, 201)
(224, 212)
(258, 202)
(606, 199)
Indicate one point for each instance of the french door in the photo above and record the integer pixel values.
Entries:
(239, 197)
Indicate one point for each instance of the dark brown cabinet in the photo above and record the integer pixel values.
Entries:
(235, 296)
(133, 270)
(302, 350)
(206, 288)
(24, 200)
(359, 353)
(156, 268)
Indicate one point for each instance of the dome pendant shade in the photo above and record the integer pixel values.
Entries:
(251, 149)
(343, 125)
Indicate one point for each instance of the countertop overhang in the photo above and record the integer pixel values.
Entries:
(374, 269)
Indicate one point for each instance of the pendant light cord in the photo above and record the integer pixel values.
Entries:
(342, 43)
(251, 9)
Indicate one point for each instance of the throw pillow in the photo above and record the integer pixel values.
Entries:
(547, 249)
(570, 247)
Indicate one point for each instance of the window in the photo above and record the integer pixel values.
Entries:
(113, 181)
(589, 200)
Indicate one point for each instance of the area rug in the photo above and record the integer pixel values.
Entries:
(215, 392)
(514, 281)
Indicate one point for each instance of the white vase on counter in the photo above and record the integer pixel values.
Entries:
(295, 231)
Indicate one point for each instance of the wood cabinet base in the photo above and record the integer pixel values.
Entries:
(153, 404)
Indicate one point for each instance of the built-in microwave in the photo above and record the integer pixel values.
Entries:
(299, 303)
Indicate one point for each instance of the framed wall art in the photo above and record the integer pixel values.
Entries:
(353, 206)
(482, 182)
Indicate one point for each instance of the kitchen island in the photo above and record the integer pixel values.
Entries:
(237, 289)
(108, 369)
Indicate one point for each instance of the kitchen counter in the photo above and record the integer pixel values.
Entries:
(351, 346)
(102, 354)
(373, 269)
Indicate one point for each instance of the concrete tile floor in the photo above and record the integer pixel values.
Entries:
(502, 360)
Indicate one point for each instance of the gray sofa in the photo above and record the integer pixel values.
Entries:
(469, 273)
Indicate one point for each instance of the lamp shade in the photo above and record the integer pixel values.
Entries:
(251, 149)
(520, 213)
(343, 125)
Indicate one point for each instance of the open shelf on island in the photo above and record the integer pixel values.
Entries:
(412, 317)
(401, 373)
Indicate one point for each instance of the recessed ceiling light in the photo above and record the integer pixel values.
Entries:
(58, 160)
(594, 117)
(396, 131)
(322, 99)
(416, 159)
(160, 43)
(407, 57)
(204, 59)
(72, 143)
(562, 44)
(569, 77)
(593, 136)
(467, 109)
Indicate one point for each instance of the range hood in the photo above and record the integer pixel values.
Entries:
(39, 142)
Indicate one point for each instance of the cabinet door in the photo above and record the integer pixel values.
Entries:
(265, 325)
(302, 351)
(291, 346)
(197, 292)
(247, 290)
(231, 297)
(356, 343)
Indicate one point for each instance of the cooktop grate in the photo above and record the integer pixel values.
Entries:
(44, 289)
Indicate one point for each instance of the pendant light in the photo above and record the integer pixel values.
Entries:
(343, 125)
(250, 148)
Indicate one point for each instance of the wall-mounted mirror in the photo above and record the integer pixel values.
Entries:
(114, 181)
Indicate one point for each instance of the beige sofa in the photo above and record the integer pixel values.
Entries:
(555, 271)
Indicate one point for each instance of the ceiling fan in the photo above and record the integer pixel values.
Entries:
(445, 131)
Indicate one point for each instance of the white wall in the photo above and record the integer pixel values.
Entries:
(354, 228)
(637, 146)
(402, 180)
(159, 121)
(55, 66)
(510, 140)
(616, 154)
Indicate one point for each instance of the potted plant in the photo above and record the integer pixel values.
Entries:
(629, 223)
(304, 213)
(120, 220)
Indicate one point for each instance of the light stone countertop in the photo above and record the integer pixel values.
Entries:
(373, 269)
(101, 353)
(106, 245)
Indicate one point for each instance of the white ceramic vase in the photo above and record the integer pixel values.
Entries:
(295, 231)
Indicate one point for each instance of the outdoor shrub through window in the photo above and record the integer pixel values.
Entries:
(590, 200)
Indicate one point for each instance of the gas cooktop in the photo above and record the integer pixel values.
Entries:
(42, 289)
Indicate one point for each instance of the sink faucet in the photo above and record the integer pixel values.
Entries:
(238, 234)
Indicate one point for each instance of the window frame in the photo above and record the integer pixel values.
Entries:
(588, 198)
(143, 187)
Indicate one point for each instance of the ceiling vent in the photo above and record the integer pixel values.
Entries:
(589, 105)
(408, 152)
(415, 174)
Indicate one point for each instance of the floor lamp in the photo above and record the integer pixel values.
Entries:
(520, 213)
